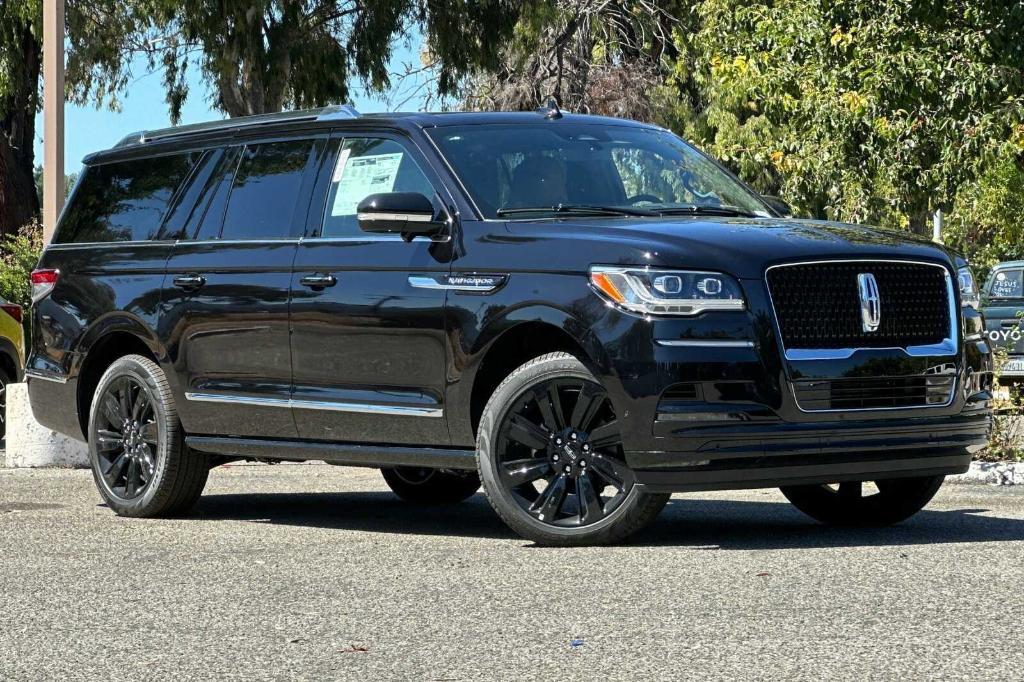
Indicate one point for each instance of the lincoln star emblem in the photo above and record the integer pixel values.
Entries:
(870, 303)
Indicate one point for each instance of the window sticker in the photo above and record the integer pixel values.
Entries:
(1008, 284)
(361, 176)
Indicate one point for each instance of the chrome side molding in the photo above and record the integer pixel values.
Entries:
(360, 408)
(704, 343)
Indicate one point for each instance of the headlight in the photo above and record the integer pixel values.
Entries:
(666, 292)
(969, 293)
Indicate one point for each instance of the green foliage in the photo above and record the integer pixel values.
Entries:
(19, 254)
(264, 55)
(988, 221)
(876, 112)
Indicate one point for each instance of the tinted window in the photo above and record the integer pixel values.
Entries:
(365, 166)
(189, 197)
(124, 201)
(265, 190)
(206, 219)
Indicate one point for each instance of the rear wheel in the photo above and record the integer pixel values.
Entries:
(551, 459)
(856, 503)
(137, 446)
(431, 486)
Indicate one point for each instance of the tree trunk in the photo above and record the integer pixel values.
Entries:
(18, 200)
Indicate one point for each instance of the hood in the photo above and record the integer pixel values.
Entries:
(742, 247)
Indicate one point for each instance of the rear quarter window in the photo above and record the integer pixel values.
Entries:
(124, 201)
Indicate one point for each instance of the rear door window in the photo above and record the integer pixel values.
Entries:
(266, 189)
(124, 201)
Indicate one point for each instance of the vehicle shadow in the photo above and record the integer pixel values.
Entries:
(685, 522)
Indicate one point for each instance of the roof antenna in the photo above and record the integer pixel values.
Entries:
(550, 109)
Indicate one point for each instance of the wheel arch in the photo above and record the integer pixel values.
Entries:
(10, 361)
(518, 337)
(112, 337)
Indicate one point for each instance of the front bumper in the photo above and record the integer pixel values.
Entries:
(711, 405)
(756, 456)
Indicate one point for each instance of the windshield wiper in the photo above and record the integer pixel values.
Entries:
(723, 209)
(577, 209)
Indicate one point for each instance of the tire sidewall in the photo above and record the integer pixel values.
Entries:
(167, 437)
(503, 399)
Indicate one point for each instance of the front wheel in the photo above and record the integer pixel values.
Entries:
(853, 503)
(550, 455)
(421, 485)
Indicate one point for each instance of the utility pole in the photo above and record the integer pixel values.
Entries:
(937, 224)
(53, 115)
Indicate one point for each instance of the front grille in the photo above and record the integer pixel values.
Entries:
(818, 306)
(874, 393)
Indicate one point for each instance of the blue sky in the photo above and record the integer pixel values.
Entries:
(143, 108)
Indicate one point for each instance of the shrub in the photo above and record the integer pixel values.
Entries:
(19, 254)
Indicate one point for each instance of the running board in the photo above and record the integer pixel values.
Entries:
(347, 454)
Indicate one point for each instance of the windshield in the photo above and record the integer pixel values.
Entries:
(566, 169)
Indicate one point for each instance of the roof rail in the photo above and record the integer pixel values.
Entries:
(343, 111)
(338, 111)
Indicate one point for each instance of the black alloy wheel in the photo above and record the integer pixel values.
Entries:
(551, 457)
(127, 438)
(560, 457)
(137, 450)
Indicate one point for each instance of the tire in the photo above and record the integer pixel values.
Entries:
(431, 486)
(845, 505)
(137, 450)
(552, 412)
(5, 381)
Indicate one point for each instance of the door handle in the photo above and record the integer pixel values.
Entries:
(318, 281)
(189, 281)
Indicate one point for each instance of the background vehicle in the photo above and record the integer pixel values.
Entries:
(1003, 307)
(585, 314)
(12, 358)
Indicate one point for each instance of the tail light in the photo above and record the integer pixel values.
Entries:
(43, 282)
(12, 310)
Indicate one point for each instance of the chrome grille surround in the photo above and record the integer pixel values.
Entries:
(872, 393)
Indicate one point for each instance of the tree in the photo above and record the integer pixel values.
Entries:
(877, 112)
(264, 55)
(102, 35)
(20, 63)
(603, 56)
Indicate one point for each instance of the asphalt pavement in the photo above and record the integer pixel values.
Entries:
(318, 572)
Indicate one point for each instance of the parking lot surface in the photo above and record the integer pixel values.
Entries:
(318, 572)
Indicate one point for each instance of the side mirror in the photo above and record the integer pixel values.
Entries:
(409, 214)
(779, 206)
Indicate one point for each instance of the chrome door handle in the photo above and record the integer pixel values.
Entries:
(189, 281)
(318, 281)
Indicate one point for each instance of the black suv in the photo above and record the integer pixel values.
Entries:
(584, 314)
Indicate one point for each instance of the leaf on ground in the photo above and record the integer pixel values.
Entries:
(355, 648)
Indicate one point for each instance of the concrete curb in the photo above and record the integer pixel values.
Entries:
(30, 444)
(991, 473)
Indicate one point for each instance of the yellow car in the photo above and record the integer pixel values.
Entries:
(12, 354)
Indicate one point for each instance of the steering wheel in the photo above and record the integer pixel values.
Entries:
(637, 198)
